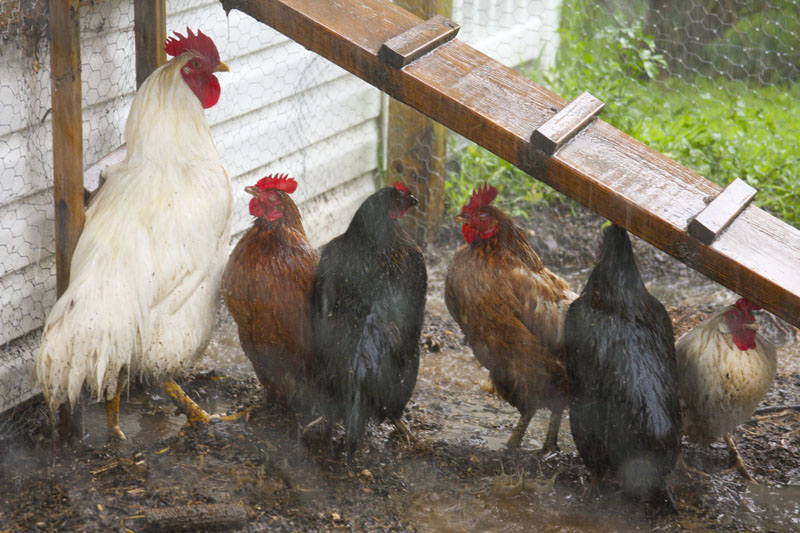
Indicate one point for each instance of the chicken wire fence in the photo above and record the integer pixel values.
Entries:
(285, 109)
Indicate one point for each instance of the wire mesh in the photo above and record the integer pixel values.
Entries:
(285, 109)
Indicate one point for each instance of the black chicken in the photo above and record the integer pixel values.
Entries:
(620, 357)
(367, 311)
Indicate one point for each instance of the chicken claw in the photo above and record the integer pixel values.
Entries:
(683, 466)
(519, 431)
(194, 413)
(234, 416)
(738, 463)
(112, 408)
(403, 429)
(551, 441)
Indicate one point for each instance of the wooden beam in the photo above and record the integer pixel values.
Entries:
(65, 81)
(758, 256)
(150, 30)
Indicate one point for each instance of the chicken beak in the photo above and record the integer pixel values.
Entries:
(222, 67)
(461, 219)
(752, 325)
(251, 190)
(412, 200)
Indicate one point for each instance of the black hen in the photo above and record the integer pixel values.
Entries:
(620, 358)
(367, 311)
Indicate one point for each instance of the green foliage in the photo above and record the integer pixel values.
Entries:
(718, 127)
(516, 189)
(760, 45)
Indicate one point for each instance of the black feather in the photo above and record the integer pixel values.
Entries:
(620, 358)
(367, 312)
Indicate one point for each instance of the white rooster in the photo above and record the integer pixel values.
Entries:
(146, 271)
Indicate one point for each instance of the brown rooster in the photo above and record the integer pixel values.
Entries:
(267, 287)
(511, 310)
(724, 369)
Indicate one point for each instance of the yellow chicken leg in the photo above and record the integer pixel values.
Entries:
(112, 408)
(736, 459)
(519, 431)
(194, 413)
(403, 429)
(551, 440)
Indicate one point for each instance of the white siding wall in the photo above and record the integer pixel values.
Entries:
(282, 109)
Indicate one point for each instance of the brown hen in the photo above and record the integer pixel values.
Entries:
(267, 287)
(511, 310)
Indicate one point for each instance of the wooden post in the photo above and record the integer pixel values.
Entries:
(150, 31)
(65, 80)
(65, 68)
(416, 146)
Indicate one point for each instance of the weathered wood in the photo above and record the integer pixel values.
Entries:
(604, 169)
(567, 123)
(213, 516)
(401, 50)
(721, 211)
(150, 33)
(416, 146)
(65, 69)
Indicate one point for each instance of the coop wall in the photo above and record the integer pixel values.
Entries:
(283, 109)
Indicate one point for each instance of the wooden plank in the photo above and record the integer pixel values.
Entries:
(602, 168)
(721, 211)
(409, 46)
(150, 31)
(567, 123)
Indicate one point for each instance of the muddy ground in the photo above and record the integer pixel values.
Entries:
(260, 473)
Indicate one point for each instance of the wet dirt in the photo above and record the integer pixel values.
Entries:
(457, 476)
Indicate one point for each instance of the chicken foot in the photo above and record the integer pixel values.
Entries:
(194, 413)
(736, 459)
(519, 431)
(685, 467)
(403, 429)
(112, 407)
(551, 440)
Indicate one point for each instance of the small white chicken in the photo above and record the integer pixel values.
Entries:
(146, 271)
(724, 369)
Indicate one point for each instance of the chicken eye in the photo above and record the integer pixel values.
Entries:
(195, 63)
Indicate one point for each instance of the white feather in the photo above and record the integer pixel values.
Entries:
(145, 274)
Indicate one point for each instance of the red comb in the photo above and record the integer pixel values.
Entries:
(282, 182)
(481, 196)
(200, 43)
(402, 187)
(746, 305)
